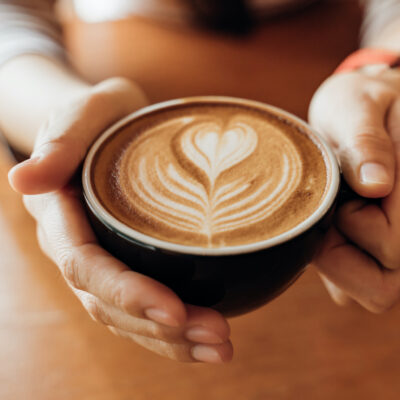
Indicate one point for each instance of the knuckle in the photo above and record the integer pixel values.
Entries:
(164, 334)
(69, 268)
(49, 131)
(68, 142)
(124, 295)
(371, 140)
(176, 352)
(120, 298)
(94, 309)
(157, 332)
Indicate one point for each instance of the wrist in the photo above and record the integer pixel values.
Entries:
(31, 87)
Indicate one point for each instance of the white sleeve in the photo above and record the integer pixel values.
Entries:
(29, 27)
(377, 15)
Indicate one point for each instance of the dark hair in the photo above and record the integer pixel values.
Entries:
(231, 16)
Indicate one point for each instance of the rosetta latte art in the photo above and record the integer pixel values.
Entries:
(206, 176)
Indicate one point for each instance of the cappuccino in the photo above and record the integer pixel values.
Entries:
(210, 175)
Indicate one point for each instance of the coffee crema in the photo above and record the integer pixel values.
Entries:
(210, 175)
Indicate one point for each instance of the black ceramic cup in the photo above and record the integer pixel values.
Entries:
(233, 280)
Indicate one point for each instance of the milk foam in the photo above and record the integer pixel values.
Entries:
(207, 176)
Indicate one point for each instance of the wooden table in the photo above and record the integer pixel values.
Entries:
(301, 346)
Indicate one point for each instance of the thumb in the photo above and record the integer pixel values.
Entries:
(355, 127)
(367, 155)
(63, 141)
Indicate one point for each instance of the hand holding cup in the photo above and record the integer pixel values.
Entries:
(359, 115)
(130, 304)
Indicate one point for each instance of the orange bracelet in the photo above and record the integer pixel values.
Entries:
(366, 57)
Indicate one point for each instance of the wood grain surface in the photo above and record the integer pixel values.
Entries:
(300, 346)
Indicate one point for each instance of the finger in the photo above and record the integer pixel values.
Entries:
(215, 354)
(337, 294)
(366, 154)
(374, 228)
(202, 326)
(368, 226)
(358, 275)
(63, 142)
(354, 123)
(205, 325)
(88, 267)
(391, 203)
(114, 317)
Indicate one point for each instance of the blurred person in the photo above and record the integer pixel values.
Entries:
(356, 109)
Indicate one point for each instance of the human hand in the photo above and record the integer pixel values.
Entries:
(130, 304)
(359, 115)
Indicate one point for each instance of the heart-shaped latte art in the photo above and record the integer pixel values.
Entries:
(212, 178)
(214, 150)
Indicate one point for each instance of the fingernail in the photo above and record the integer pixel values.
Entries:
(161, 317)
(206, 354)
(371, 173)
(202, 335)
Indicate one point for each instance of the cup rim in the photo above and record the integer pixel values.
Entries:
(121, 229)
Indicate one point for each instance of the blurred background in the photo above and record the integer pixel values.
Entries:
(301, 346)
